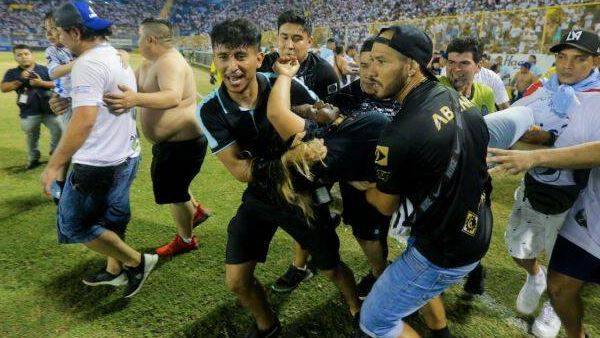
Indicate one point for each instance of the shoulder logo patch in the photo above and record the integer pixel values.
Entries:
(381, 155)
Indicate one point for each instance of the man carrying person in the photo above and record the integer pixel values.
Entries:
(369, 226)
(294, 39)
(167, 96)
(565, 108)
(104, 148)
(235, 122)
(444, 139)
(33, 87)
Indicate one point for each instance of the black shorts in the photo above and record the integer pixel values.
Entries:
(367, 223)
(571, 260)
(174, 166)
(251, 230)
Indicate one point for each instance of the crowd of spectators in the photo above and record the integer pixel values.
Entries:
(23, 18)
(350, 21)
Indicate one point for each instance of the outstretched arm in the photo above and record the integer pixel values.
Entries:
(279, 112)
(581, 156)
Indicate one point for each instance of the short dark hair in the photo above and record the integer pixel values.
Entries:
(20, 46)
(331, 40)
(49, 15)
(234, 33)
(464, 45)
(350, 47)
(88, 33)
(295, 17)
(367, 46)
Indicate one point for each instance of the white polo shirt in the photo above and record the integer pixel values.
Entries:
(489, 78)
(114, 137)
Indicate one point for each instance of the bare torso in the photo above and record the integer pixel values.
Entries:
(173, 124)
(524, 80)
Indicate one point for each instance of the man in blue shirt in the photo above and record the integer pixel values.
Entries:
(32, 84)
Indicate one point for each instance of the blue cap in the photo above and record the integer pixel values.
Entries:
(79, 12)
(525, 64)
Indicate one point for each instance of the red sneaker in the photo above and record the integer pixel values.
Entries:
(200, 216)
(177, 246)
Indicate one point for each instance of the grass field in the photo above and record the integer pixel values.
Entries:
(41, 294)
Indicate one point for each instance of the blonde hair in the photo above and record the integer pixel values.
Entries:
(301, 157)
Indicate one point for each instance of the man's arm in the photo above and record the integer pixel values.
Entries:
(384, 203)
(241, 169)
(11, 82)
(59, 70)
(170, 75)
(581, 156)
(9, 86)
(41, 83)
(78, 130)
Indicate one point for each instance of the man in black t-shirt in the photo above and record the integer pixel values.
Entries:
(32, 84)
(294, 38)
(234, 120)
(431, 158)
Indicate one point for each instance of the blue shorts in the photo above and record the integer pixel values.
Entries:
(403, 288)
(85, 213)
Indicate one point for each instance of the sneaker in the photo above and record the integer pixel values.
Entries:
(529, 296)
(200, 216)
(475, 284)
(177, 246)
(274, 331)
(365, 285)
(547, 324)
(291, 279)
(106, 278)
(138, 275)
(33, 164)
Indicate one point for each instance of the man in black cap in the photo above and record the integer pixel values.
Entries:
(431, 168)
(565, 107)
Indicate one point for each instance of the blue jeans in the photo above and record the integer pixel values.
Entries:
(84, 215)
(403, 288)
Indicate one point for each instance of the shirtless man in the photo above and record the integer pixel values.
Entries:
(523, 79)
(167, 97)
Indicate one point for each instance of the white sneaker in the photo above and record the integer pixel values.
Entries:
(547, 324)
(529, 296)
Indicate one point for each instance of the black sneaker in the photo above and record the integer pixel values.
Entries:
(365, 285)
(274, 331)
(33, 164)
(475, 284)
(291, 279)
(106, 278)
(138, 275)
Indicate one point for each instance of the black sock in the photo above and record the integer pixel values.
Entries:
(441, 333)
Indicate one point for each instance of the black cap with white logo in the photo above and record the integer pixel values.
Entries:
(580, 39)
(412, 42)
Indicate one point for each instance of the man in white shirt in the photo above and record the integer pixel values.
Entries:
(104, 149)
(545, 197)
(490, 78)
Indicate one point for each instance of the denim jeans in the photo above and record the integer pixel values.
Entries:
(31, 126)
(84, 214)
(403, 288)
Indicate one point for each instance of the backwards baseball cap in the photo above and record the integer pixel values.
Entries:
(580, 39)
(79, 13)
(410, 42)
(525, 64)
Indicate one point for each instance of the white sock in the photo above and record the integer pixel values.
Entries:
(303, 268)
(186, 240)
(540, 277)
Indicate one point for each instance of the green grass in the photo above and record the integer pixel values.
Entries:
(41, 294)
